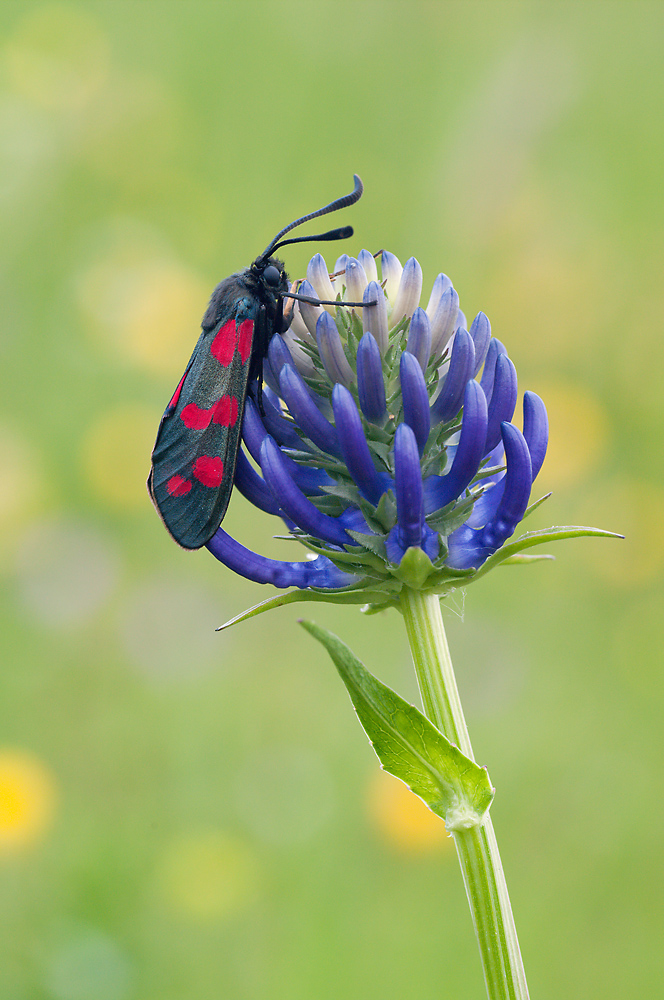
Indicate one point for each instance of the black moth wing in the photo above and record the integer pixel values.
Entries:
(194, 457)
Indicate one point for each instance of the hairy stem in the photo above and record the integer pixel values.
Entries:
(477, 848)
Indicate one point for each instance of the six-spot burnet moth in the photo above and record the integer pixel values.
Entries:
(194, 457)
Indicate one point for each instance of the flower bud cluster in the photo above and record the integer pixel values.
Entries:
(384, 436)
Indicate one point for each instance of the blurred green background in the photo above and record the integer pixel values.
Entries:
(192, 815)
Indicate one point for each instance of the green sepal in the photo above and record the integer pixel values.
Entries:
(332, 506)
(345, 491)
(318, 596)
(352, 556)
(453, 516)
(534, 505)
(488, 470)
(408, 745)
(382, 451)
(374, 543)
(414, 568)
(521, 560)
(553, 534)
(303, 457)
(377, 432)
(386, 511)
(444, 581)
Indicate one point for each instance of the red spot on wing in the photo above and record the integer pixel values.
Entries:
(245, 339)
(176, 394)
(225, 411)
(209, 470)
(223, 345)
(194, 418)
(177, 486)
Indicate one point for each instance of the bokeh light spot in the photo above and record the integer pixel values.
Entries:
(167, 629)
(57, 57)
(89, 966)
(401, 818)
(284, 794)
(116, 454)
(636, 509)
(21, 478)
(208, 875)
(66, 571)
(27, 799)
(147, 307)
(579, 434)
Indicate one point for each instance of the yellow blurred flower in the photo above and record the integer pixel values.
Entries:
(27, 799)
(21, 483)
(402, 819)
(145, 305)
(116, 454)
(579, 435)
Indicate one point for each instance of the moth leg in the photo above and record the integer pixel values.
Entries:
(258, 359)
(259, 391)
(327, 302)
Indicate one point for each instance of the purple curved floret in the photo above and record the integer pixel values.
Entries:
(278, 354)
(318, 572)
(496, 348)
(282, 431)
(309, 312)
(480, 331)
(254, 433)
(462, 367)
(331, 351)
(374, 317)
(443, 320)
(354, 447)
(441, 490)
(370, 382)
(408, 486)
(253, 487)
(292, 500)
(518, 481)
(469, 547)
(503, 400)
(535, 429)
(304, 411)
(416, 409)
(408, 293)
(419, 337)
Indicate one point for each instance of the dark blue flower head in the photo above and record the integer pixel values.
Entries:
(384, 438)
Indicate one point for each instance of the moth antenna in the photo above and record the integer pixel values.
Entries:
(334, 206)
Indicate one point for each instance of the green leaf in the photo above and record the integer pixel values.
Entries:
(408, 745)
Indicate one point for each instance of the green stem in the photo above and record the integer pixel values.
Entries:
(477, 848)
